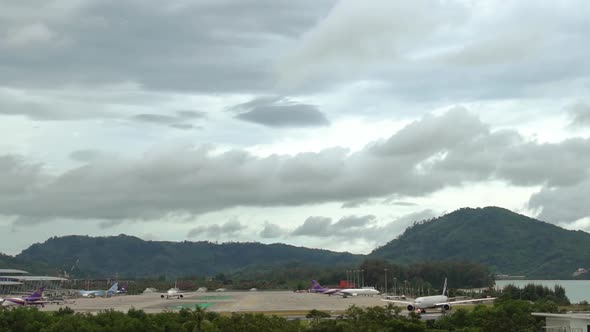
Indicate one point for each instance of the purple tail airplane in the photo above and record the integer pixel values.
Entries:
(34, 299)
(368, 291)
(317, 288)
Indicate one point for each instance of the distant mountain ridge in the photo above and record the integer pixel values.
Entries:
(505, 241)
(130, 256)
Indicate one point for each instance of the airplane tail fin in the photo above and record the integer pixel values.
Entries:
(315, 285)
(445, 288)
(38, 292)
(114, 288)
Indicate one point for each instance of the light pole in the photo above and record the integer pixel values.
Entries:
(394, 286)
(363, 278)
(385, 281)
(347, 279)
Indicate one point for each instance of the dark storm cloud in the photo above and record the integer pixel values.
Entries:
(280, 112)
(231, 227)
(426, 156)
(205, 45)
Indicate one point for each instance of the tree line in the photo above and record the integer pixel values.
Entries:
(504, 315)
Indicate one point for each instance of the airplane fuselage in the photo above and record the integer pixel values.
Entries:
(173, 292)
(358, 291)
(20, 301)
(427, 302)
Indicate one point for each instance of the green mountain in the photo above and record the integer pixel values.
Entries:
(130, 256)
(505, 241)
(10, 262)
(502, 240)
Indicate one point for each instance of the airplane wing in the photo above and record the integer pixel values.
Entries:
(465, 301)
(397, 301)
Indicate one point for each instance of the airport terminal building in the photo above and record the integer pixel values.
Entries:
(568, 322)
(19, 282)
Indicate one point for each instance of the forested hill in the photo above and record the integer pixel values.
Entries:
(133, 257)
(505, 241)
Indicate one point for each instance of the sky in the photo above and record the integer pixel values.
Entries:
(319, 123)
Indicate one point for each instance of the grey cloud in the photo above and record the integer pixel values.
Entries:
(176, 121)
(355, 203)
(183, 126)
(231, 227)
(354, 221)
(87, 155)
(194, 46)
(27, 221)
(580, 115)
(191, 114)
(109, 223)
(360, 227)
(314, 226)
(360, 34)
(323, 226)
(392, 201)
(44, 107)
(425, 156)
(562, 204)
(155, 118)
(280, 112)
(18, 177)
(271, 231)
(410, 46)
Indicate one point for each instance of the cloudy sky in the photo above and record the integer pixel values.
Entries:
(323, 123)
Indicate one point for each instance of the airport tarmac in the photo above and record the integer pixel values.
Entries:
(263, 301)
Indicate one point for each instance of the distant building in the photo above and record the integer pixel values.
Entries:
(580, 271)
(346, 284)
(18, 281)
(569, 322)
(508, 277)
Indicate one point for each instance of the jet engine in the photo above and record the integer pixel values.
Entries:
(411, 307)
(447, 307)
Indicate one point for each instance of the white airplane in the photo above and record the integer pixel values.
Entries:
(173, 292)
(420, 304)
(369, 291)
(94, 293)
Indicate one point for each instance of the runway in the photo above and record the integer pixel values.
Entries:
(282, 303)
